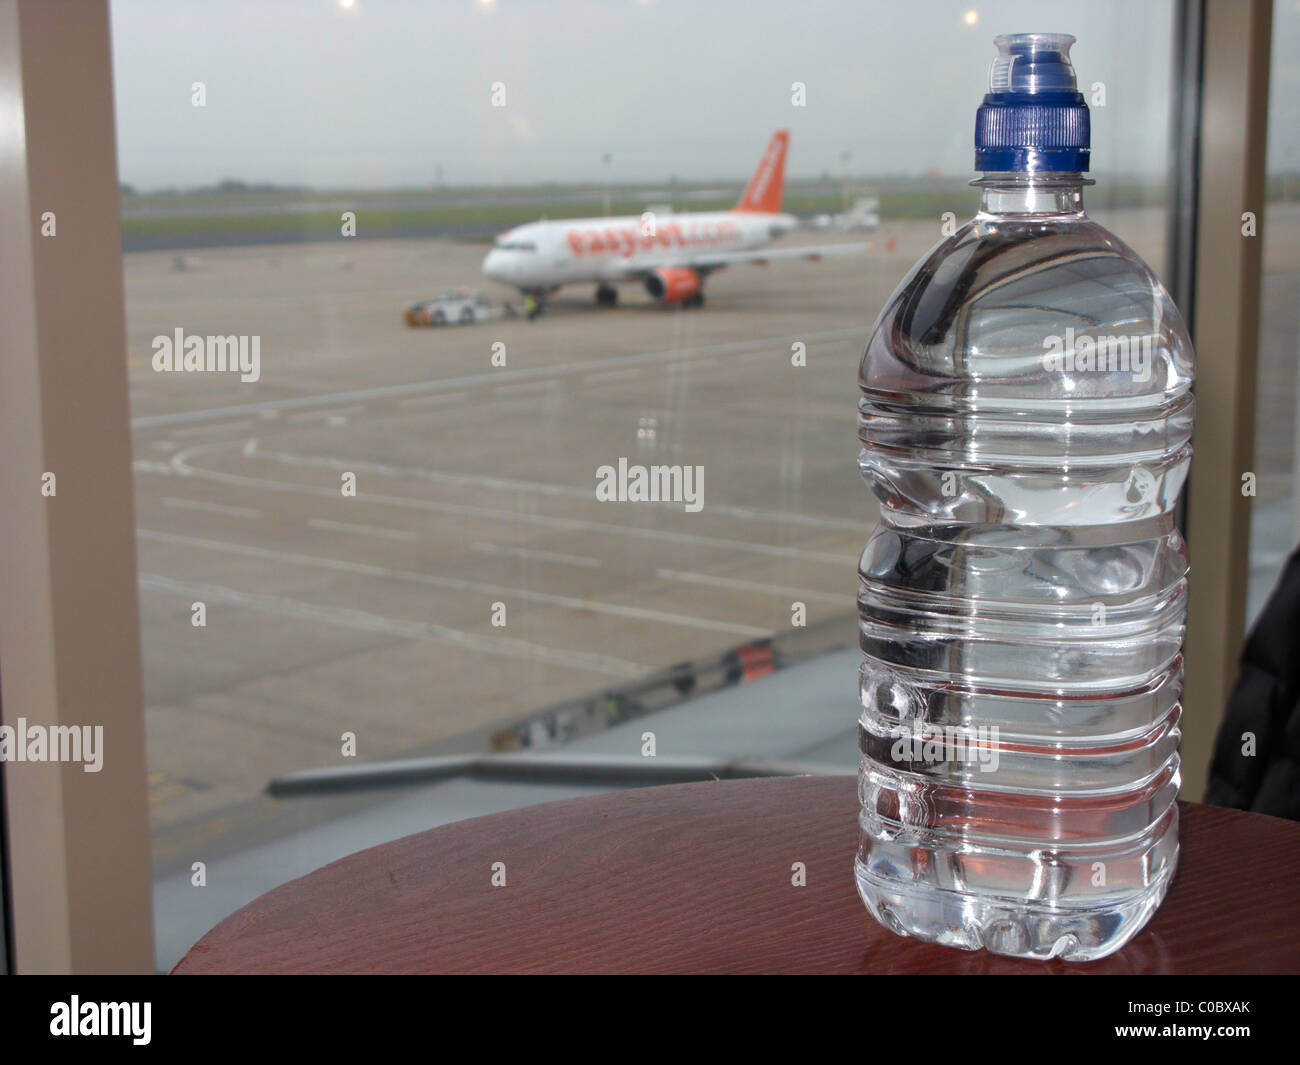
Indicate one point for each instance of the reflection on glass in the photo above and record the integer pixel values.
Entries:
(391, 544)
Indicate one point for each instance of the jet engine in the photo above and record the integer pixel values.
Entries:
(676, 284)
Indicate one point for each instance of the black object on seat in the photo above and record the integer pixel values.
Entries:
(1256, 763)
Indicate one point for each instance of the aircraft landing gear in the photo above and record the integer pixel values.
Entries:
(606, 296)
(694, 301)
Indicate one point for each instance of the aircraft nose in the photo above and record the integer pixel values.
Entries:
(493, 266)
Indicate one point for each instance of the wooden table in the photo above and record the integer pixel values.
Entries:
(697, 878)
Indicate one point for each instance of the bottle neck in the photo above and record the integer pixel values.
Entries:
(1018, 193)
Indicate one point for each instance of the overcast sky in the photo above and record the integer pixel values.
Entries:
(310, 92)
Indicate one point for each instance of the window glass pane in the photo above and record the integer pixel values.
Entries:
(380, 535)
(1274, 520)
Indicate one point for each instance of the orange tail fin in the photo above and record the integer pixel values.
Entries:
(766, 187)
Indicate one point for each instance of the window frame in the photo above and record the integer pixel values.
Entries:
(77, 871)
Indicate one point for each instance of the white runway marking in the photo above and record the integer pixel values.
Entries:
(364, 530)
(329, 412)
(206, 430)
(471, 409)
(476, 587)
(212, 508)
(541, 556)
(507, 484)
(432, 476)
(494, 377)
(346, 617)
(429, 401)
(149, 466)
(752, 586)
(180, 465)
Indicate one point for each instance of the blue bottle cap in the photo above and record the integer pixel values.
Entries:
(1033, 118)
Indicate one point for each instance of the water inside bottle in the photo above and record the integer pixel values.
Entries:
(1025, 419)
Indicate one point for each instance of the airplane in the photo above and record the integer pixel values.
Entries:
(670, 254)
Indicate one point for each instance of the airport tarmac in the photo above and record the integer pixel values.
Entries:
(373, 614)
(475, 486)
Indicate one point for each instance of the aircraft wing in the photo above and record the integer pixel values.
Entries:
(704, 261)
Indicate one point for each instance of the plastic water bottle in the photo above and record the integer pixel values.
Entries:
(1025, 418)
